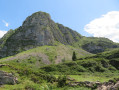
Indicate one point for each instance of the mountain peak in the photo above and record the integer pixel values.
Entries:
(38, 18)
(37, 30)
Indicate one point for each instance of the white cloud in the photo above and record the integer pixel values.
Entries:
(2, 33)
(6, 23)
(105, 26)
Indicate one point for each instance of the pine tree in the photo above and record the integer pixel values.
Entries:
(74, 56)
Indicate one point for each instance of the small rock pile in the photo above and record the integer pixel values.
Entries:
(110, 85)
(85, 83)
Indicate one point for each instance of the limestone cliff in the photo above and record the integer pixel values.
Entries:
(37, 30)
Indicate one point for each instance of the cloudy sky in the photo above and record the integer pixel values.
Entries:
(105, 26)
(98, 18)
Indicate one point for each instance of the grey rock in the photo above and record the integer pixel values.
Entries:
(7, 78)
(38, 30)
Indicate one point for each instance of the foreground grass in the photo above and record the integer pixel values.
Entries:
(72, 88)
(94, 77)
(38, 87)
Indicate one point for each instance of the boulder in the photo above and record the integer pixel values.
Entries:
(116, 86)
(7, 78)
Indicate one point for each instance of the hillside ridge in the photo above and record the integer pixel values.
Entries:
(39, 30)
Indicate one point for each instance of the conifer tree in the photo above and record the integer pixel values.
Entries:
(74, 56)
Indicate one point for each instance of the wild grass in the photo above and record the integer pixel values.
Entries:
(33, 73)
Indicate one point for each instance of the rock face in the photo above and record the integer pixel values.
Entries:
(93, 48)
(7, 78)
(98, 45)
(37, 30)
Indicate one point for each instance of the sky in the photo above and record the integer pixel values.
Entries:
(98, 18)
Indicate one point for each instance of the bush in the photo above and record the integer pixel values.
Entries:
(49, 68)
(31, 86)
(100, 69)
(62, 81)
(94, 87)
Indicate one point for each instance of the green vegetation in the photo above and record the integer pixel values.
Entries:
(47, 54)
(96, 45)
(5, 37)
(78, 67)
(74, 56)
(62, 81)
(31, 76)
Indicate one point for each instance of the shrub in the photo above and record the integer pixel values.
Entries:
(62, 81)
(31, 86)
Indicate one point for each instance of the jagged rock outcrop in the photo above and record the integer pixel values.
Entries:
(37, 30)
(7, 78)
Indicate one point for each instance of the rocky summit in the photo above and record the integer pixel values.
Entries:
(37, 30)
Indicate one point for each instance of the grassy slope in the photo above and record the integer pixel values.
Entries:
(25, 65)
(100, 67)
(90, 68)
(47, 55)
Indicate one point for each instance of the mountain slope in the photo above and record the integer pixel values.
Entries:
(97, 45)
(104, 62)
(32, 67)
(38, 30)
(45, 55)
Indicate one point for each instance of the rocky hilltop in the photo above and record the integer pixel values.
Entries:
(39, 30)
(97, 45)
